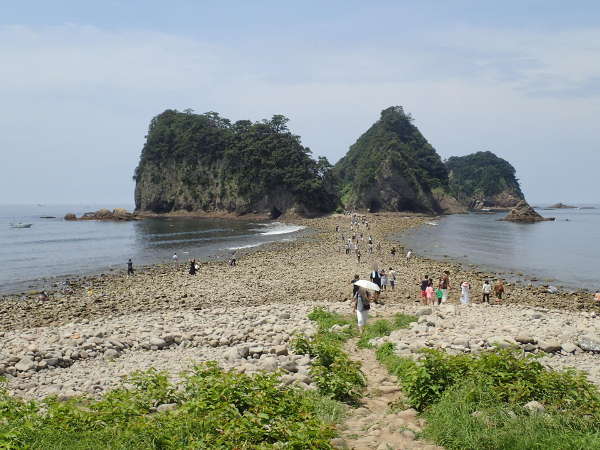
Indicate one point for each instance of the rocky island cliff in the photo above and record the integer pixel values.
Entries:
(483, 180)
(206, 163)
(392, 167)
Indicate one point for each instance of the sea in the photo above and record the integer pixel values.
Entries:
(52, 249)
(564, 253)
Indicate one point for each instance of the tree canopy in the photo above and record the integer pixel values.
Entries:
(481, 174)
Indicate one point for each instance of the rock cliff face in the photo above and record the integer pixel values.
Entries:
(391, 167)
(483, 180)
(204, 163)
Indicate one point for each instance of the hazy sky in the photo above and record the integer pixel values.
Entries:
(80, 81)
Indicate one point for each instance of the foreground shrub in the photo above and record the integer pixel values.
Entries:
(214, 409)
(471, 416)
(335, 374)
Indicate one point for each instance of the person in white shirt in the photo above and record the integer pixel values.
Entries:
(175, 257)
(408, 255)
(487, 290)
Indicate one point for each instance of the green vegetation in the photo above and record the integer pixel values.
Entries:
(391, 167)
(204, 162)
(384, 327)
(481, 175)
(335, 374)
(214, 409)
(477, 402)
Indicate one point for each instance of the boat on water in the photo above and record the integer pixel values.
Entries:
(433, 224)
(20, 225)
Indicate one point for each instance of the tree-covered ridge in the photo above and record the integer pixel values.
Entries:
(481, 175)
(392, 156)
(203, 161)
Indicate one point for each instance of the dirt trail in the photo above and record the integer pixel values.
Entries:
(381, 423)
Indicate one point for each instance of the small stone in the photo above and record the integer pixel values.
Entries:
(111, 354)
(338, 443)
(589, 343)
(423, 312)
(525, 339)
(157, 342)
(535, 407)
(166, 407)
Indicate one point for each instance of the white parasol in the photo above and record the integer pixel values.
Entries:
(367, 285)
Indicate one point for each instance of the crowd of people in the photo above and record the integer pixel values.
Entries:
(433, 290)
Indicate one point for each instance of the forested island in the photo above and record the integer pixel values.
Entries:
(206, 163)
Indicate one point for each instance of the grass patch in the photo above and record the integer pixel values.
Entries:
(477, 401)
(384, 327)
(215, 409)
(336, 375)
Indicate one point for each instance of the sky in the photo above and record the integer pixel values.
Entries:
(81, 80)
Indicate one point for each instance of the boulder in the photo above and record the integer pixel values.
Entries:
(534, 407)
(589, 343)
(25, 364)
(567, 347)
(70, 216)
(166, 407)
(525, 214)
(423, 312)
(525, 339)
(501, 341)
(550, 347)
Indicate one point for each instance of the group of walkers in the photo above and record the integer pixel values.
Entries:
(194, 266)
(431, 295)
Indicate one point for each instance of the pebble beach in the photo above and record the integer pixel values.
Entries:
(87, 340)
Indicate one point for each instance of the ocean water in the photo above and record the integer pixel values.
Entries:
(566, 251)
(34, 257)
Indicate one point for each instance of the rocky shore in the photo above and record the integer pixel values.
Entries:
(86, 339)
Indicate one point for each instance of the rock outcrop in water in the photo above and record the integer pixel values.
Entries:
(392, 167)
(561, 206)
(116, 215)
(483, 180)
(205, 163)
(525, 213)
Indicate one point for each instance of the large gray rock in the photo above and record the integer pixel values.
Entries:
(501, 341)
(423, 312)
(567, 347)
(25, 364)
(589, 343)
(550, 347)
(534, 407)
(525, 339)
(157, 342)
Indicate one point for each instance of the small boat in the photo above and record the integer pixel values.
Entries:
(20, 225)
(434, 224)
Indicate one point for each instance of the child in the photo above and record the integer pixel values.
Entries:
(499, 290)
(439, 294)
(429, 292)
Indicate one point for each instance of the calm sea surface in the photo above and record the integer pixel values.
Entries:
(55, 248)
(567, 250)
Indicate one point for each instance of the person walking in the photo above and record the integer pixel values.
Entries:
(361, 305)
(384, 280)
(174, 258)
(487, 290)
(376, 276)
(193, 267)
(430, 293)
(465, 293)
(439, 294)
(392, 275)
(358, 255)
(408, 255)
(129, 267)
(445, 285)
(499, 290)
(424, 284)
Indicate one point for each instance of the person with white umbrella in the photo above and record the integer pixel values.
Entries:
(360, 302)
